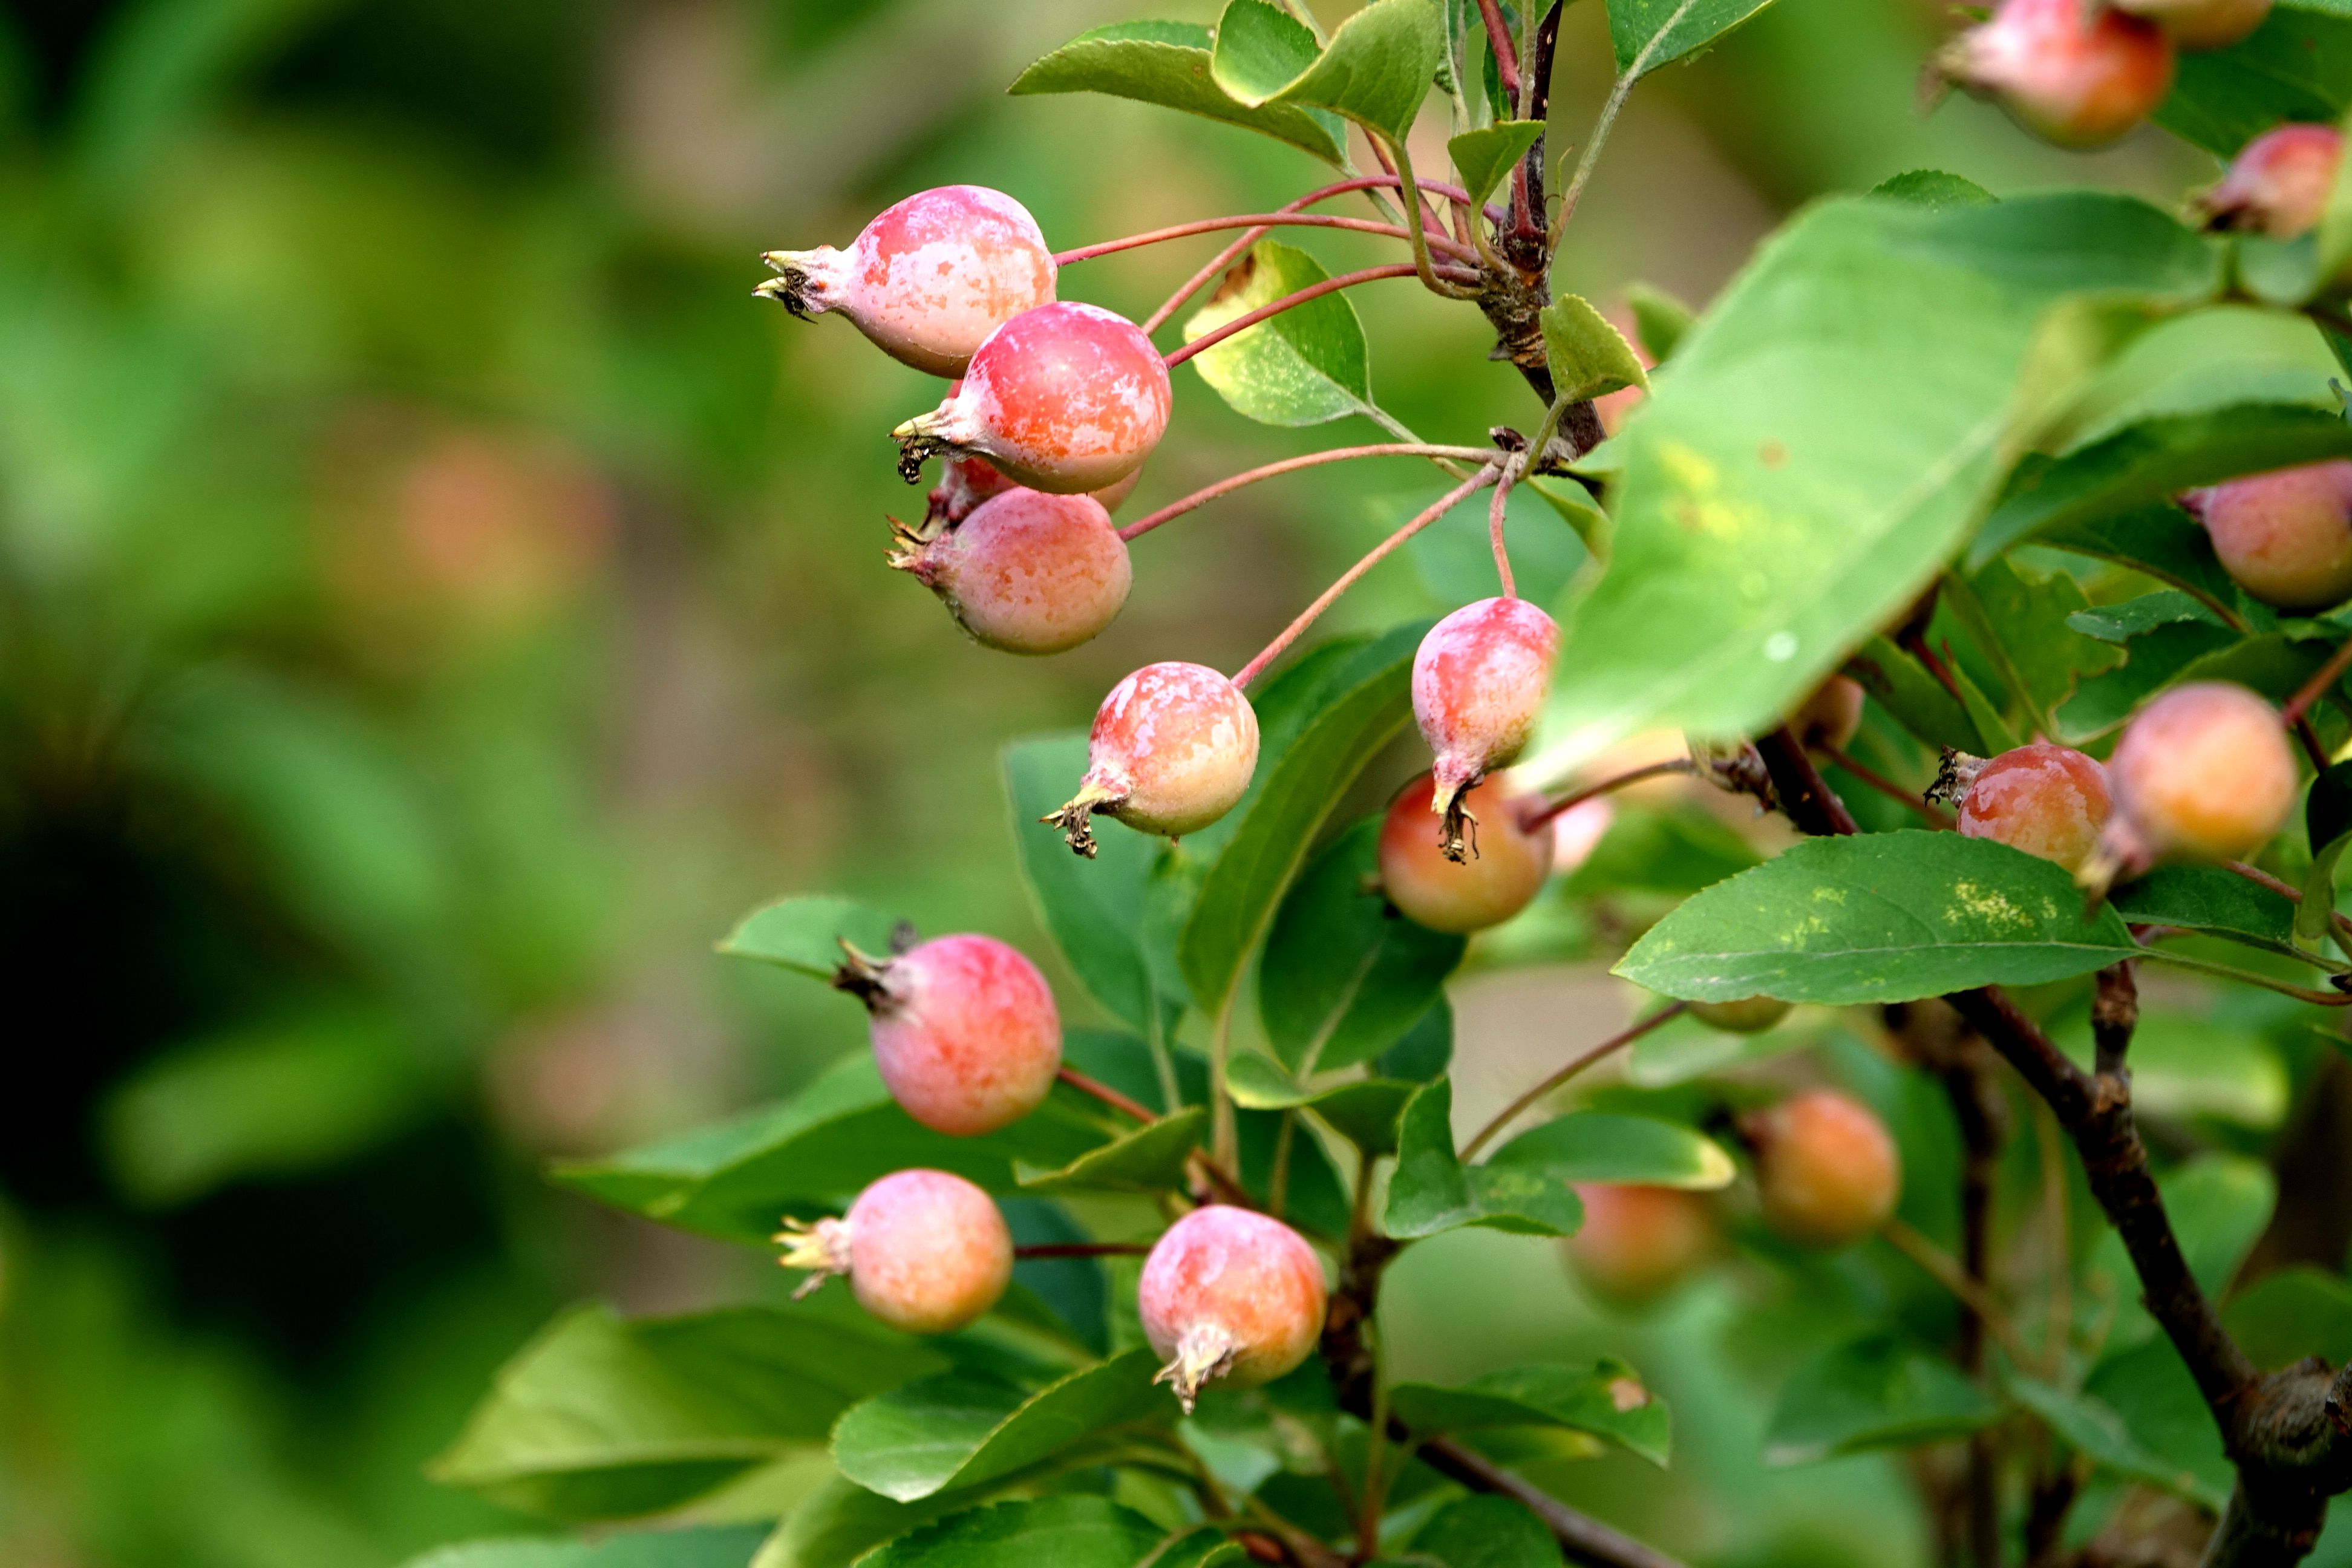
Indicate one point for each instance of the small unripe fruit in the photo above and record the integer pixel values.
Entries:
(1830, 715)
(2279, 184)
(928, 279)
(1066, 398)
(1506, 869)
(1746, 1015)
(1229, 1293)
(1479, 679)
(924, 1251)
(1172, 750)
(1637, 1243)
(2050, 801)
(1026, 571)
(2201, 24)
(2075, 72)
(965, 1032)
(1826, 1170)
(2286, 537)
(2203, 773)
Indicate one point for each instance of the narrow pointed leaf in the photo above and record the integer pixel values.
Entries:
(805, 934)
(1588, 357)
(961, 1429)
(1608, 1400)
(1600, 1146)
(1167, 63)
(1150, 1159)
(1375, 71)
(1364, 1111)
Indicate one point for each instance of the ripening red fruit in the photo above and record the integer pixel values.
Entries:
(2203, 773)
(1830, 715)
(2201, 24)
(1745, 1015)
(2279, 183)
(928, 279)
(2286, 536)
(1065, 398)
(1506, 869)
(1637, 1243)
(965, 1031)
(1173, 747)
(1026, 571)
(924, 1251)
(1827, 1172)
(1229, 1293)
(2076, 72)
(2050, 801)
(1479, 678)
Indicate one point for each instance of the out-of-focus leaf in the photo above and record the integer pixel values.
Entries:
(2282, 1317)
(1660, 319)
(1885, 917)
(2152, 1394)
(1486, 157)
(1305, 366)
(2119, 623)
(1932, 188)
(1876, 1393)
(2297, 66)
(1375, 71)
(717, 1546)
(1916, 700)
(1364, 1110)
(960, 1429)
(1487, 1533)
(2093, 1427)
(2328, 823)
(2218, 1204)
(1430, 1191)
(1072, 1531)
(1661, 851)
(1608, 1400)
(1426, 1051)
(805, 934)
(1647, 34)
(2206, 898)
(1588, 357)
(2019, 618)
(1150, 1159)
(1600, 1146)
(1167, 63)
(1683, 1048)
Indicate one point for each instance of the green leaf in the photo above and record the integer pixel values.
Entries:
(2099, 1434)
(604, 1418)
(1354, 976)
(1660, 319)
(2297, 66)
(2298, 1311)
(1588, 357)
(1426, 1051)
(1876, 1393)
(1375, 71)
(2327, 823)
(1062, 1531)
(1832, 428)
(1486, 157)
(1932, 188)
(961, 1429)
(1348, 706)
(2219, 1206)
(1600, 1146)
(1167, 63)
(2119, 623)
(1150, 1159)
(1684, 1048)
(722, 1546)
(1607, 1399)
(1430, 1191)
(1363, 1111)
(1676, 849)
(1647, 34)
(2206, 898)
(2019, 618)
(1915, 700)
(843, 1522)
(1305, 366)
(1884, 917)
(2151, 1392)
(806, 933)
(2168, 544)
(1487, 1533)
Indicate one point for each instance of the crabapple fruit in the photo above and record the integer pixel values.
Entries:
(1827, 1171)
(965, 482)
(2050, 801)
(2201, 24)
(1065, 398)
(2279, 183)
(924, 1251)
(1745, 1015)
(1507, 867)
(965, 1032)
(1830, 715)
(1636, 1242)
(1479, 678)
(928, 278)
(1229, 1293)
(1026, 571)
(2286, 536)
(2076, 72)
(2203, 773)
(1172, 750)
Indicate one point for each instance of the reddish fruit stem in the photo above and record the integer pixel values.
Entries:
(1615, 1043)
(1261, 222)
(2312, 691)
(1498, 38)
(1307, 617)
(1292, 301)
(1885, 786)
(1495, 521)
(1106, 1094)
(1568, 803)
(1083, 1250)
(1177, 508)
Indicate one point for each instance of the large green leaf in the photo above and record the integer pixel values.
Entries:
(723, 1546)
(2020, 618)
(1832, 428)
(1647, 34)
(1607, 1399)
(1376, 69)
(2298, 1311)
(2168, 544)
(2098, 1433)
(961, 1428)
(1883, 916)
(1060, 1531)
(603, 1418)
(1167, 63)
(843, 1522)
(805, 934)
(1602, 1146)
(1430, 1191)
(1149, 1159)
(1304, 367)
(1876, 1393)
(2206, 898)
(1486, 1533)
(1363, 1111)
(2297, 66)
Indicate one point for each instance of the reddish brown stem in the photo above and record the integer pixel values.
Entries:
(1569, 802)
(2319, 686)
(1106, 1094)
(1498, 38)
(1292, 301)
(1177, 508)
(1886, 787)
(1495, 525)
(1261, 222)
(1083, 1250)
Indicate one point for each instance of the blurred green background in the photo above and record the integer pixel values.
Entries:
(436, 599)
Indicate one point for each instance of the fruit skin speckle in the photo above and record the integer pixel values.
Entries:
(2048, 800)
(1026, 571)
(1504, 873)
(965, 1032)
(1479, 681)
(1229, 1295)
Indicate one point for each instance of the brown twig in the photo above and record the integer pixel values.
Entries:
(1810, 804)
(1607, 1047)
(2312, 691)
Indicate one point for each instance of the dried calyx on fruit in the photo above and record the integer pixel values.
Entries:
(1172, 750)
(2203, 773)
(1026, 571)
(2076, 72)
(1066, 398)
(965, 1032)
(2050, 801)
(1827, 1171)
(1228, 1294)
(2200, 24)
(1479, 679)
(928, 278)
(2279, 183)
(924, 1251)
(2286, 536)
(1461, 896)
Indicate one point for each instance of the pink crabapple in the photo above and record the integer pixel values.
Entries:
(1742, 1015)
(1479, 679)
(2050, 801)
(1506, 869)
(1827, 1171)
(2202, 773)
(1638, 1242)
(1026, 571)
(1065, 398)
(2201, 24)
(1173, 749)
(2286, 537)
(2279, 183)
(2075, 72)
(965, 1032)
(1228, 1293)
(925, 1252)
(928, 279)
